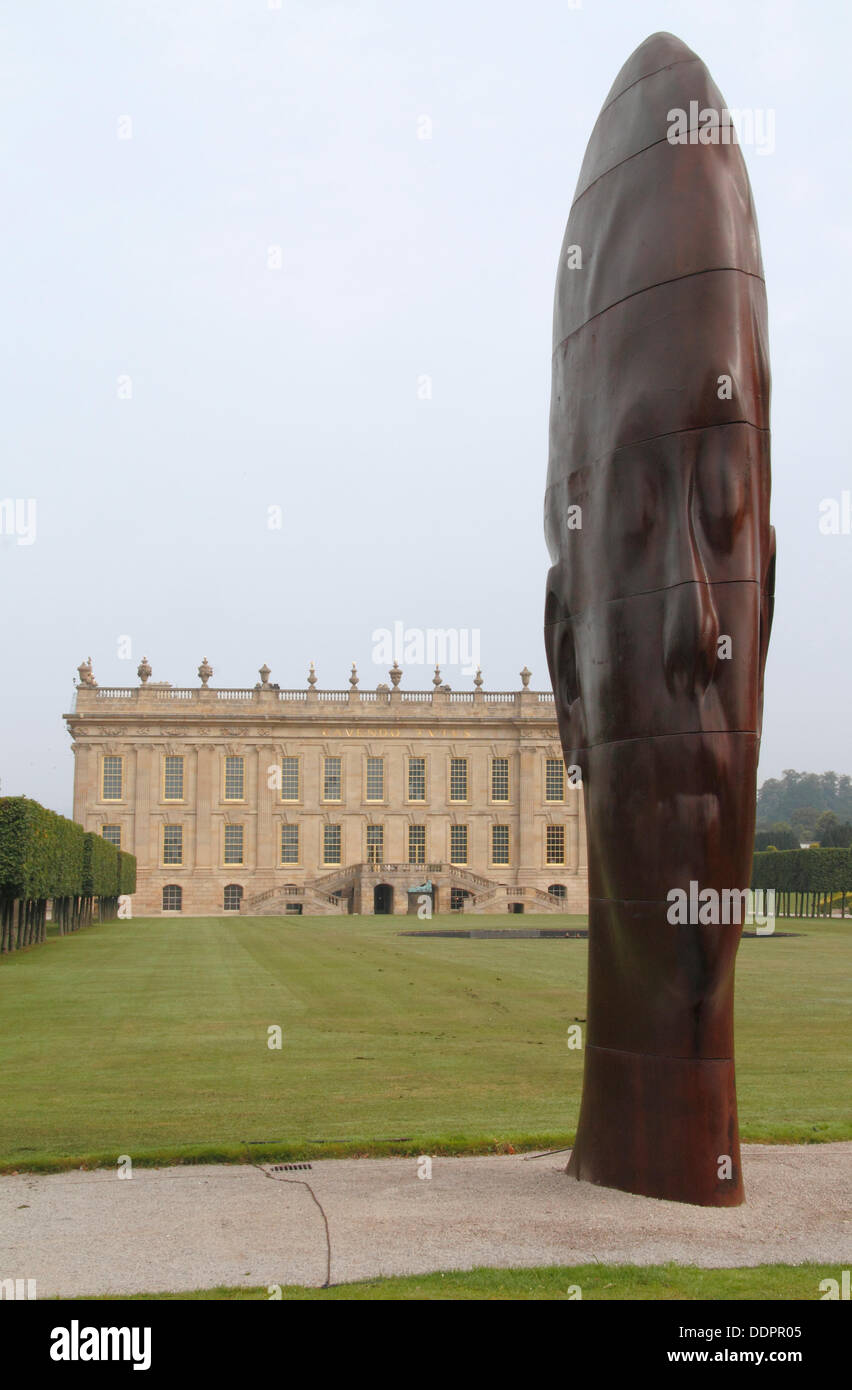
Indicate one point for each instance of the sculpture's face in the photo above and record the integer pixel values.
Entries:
(657, 624)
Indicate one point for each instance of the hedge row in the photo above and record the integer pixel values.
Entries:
(45, 857)
(803, 870)
(806, 881)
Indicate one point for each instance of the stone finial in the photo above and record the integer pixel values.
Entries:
(205, 671)
(264, 674)
(353, 679)
(436, 679)
(477, 680)
(84, 670)
(143, 670)
(312, 676)
(395, 673)
(525, 678)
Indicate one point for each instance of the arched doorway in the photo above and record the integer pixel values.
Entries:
(383, 898)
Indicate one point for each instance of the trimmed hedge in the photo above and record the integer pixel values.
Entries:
(807, 882)
(41, 853)
(46, 857)
(100, 867)
(803, 870)
(126, 872)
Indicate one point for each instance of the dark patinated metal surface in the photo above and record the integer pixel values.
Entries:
(673, 554)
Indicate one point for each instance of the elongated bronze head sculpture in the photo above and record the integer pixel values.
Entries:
(658, 611)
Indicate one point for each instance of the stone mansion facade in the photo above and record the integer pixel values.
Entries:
(270, 801)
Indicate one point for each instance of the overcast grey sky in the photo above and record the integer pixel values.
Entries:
(253, 127)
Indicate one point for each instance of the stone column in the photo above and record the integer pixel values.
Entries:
(206, 803)
(528, 854)
(266, 853)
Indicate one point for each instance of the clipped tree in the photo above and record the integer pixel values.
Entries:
(41, 858)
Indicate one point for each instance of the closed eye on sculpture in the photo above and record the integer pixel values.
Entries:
(559, 641)
(636, 492)
(723, 486)
(569, 687)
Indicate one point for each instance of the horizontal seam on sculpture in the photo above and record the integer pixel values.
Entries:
(636, 153)
(658, 284)
(649, 738)
(661, 1056)
(663, 434)
(675, 63)
(643, 593)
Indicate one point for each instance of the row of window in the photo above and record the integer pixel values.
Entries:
(233, 896)
(289, 778)
(290, 846)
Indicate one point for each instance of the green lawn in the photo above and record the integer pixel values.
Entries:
(595, 1282)
(149, 1038)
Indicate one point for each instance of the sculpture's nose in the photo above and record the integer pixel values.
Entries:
(691, 625)
(690, 639)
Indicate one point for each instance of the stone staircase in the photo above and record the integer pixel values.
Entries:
(330, 894)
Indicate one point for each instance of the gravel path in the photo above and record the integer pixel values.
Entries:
(179, 1228)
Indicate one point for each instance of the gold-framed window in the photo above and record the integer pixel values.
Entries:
(375, 779)
(331, 843)
(332, 778)
(417, 844)
(499, 779)
(173, 777)
(499, 844)
(554, 780)
(458, 779)
(417, 779)
(375, 844)
(555, 844)
(232, 844)
(112, 777)
(458, 844)
(290, 778)
(289, 844)
(235, 778)
(172, 844)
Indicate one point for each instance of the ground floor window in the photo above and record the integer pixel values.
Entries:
(558, 890)
(172, 898)
(233, 897)
(458, 897)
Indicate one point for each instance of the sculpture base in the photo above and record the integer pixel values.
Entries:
(661, 1127)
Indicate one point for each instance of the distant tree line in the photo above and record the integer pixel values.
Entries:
(825, 830)
(45, 858)
(797, 805)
